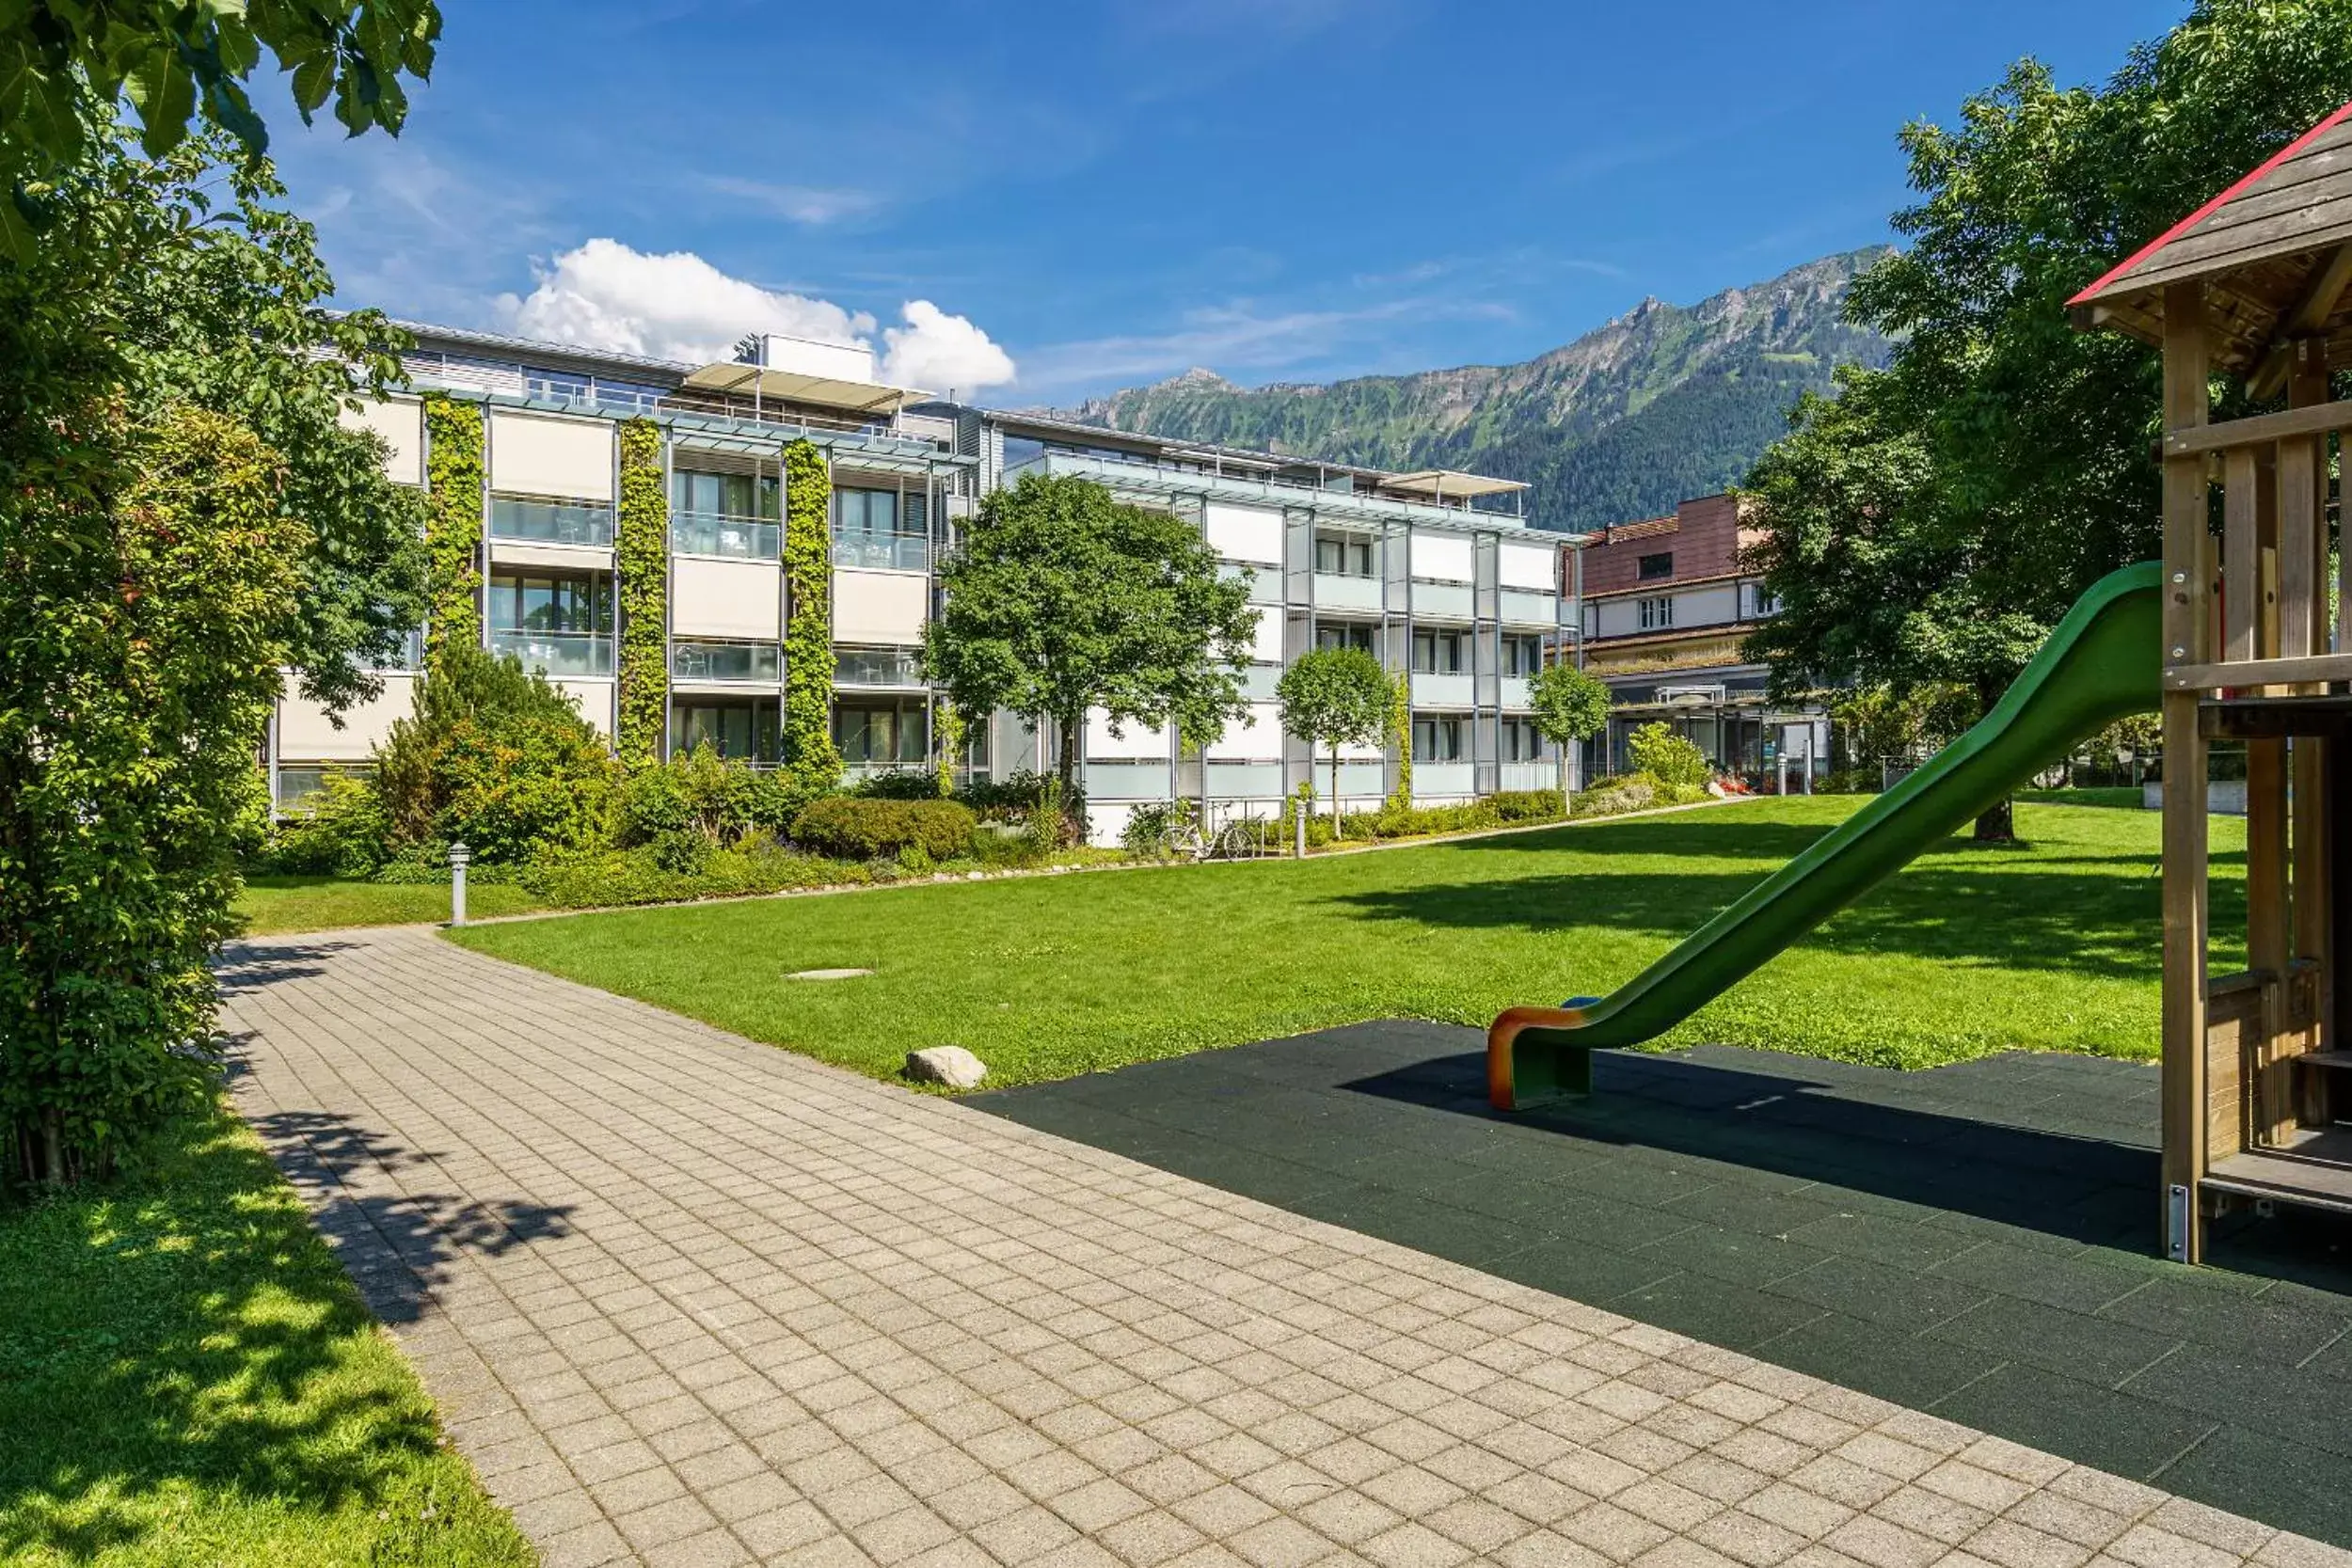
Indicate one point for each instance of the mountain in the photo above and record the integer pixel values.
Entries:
(1664, 403)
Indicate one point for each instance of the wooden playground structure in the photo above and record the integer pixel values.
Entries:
(2257, 1065)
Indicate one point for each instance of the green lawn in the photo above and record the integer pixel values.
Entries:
(275, 904)
(187, 1376)
(1969, 950)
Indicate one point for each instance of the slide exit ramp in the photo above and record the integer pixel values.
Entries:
(2103, 662)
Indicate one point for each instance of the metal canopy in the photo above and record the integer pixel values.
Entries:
(820, 392)
(1448, 482)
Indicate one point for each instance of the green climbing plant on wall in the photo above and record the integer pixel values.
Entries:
(812, 764)
(452, 528)
(644, 559)
(1401, 737)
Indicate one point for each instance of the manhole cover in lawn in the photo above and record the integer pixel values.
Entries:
(827, 974)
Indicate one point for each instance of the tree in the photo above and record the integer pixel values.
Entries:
(1571, 708)
(1060, 600)
(1334, 697)
(1930, 523)
(181, 519)
(175, 62)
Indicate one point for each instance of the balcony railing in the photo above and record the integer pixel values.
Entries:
(716, 533)
(885, 553)
(552, 522)
(878, 667)
(759, 663)
(556, 653)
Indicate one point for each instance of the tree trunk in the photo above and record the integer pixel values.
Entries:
(1066, 767)
(1998, 825)
(1335, 789)
(1567, 800)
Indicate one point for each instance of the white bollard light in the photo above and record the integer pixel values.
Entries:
(459, 856)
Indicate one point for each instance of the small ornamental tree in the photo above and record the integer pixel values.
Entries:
(1060, 599)
(1673, 760)
(1571, 708)
(1335, 697)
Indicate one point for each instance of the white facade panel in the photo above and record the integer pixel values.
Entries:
(595, 701)
(1266, 645)
(1250, 533)
(1436, 783)
(1333, 592)
(1441, 557)
(1255, 737)
(540, 455)
(1535, 567)
(524, 552)
(1138, 743)
(1520, 607)
(1442, 601)
(1707, 607)
(1434, 690)
(880, 606)
(304, 734)
(725, 598)
(400, 423)
(1514, 692)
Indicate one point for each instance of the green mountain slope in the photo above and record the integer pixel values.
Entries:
(1664, 403)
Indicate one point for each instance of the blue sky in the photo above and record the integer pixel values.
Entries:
(1085, 197)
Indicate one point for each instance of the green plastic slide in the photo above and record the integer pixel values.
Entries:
(2103, 662)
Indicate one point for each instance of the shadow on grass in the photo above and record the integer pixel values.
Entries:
(2047, 916)
(179, 1352)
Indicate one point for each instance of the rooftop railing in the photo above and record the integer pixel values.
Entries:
(550, 522)
(755, 663)
(887, 552)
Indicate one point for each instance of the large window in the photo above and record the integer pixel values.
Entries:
(1343, 634)
(881, 736)
(1652, 569)
(565, 604)
(884, 529)
(1339, 555)
(1522, 655)
(730, 515)
(1521, 741)
(1437, 741)
(1439, 653)
(1656, 614)
(746, 730)
(550, 522)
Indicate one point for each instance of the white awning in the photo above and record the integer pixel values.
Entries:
(862, 397)
(1447, 482)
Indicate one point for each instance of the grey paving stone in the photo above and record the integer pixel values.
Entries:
(689, 1300)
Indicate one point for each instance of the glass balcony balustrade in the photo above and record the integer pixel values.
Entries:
(556, 654)
(718, 534)
(761, 663)
(882, 552)
(546, 522)
(878, 667)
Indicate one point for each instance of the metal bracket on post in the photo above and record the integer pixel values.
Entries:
(459, 857)
(2177, 1219)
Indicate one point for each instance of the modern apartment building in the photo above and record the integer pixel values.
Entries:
(1435, 572)
(1666, 605)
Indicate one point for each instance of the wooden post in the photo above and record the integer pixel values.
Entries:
(2187, 402)
(2304, 629)
(2266, 1083)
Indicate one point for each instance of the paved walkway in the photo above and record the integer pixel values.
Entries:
(685, 1299)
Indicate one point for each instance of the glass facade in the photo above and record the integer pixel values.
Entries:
(560, 625)
(725, 514)
(883, 530)
(1343, 634)
(1522, 655)
(872, 736)
(1338, 555)
(700, 661)
(734, 729)
(1440, 653)
(550, 522)
(1437, 741)
(878, 667)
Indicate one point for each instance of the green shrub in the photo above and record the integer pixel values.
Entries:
(1417, 821)
(1667, 757)
(1157, 827)
(1848, 780)
(1525, 805)
(723, 800)
(1615, 797)
(339, 832)
(853, 827)
(902, 784)
(514, 720)
(532, 786)
(638, 875)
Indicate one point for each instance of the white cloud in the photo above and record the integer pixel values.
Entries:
(942, 352)
(607, 295)
(810, 205)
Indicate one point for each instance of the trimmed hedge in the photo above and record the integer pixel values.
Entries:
(865, 828)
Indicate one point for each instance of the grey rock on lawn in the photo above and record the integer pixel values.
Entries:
(951, 1065)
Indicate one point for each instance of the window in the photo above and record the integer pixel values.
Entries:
(866, 511)
(551, 604)
(1762, 601)
(884, 737)
(745, 729)
(1522, 655)
(1519, 741)
(1337, 555)
(756, 496)
(1650, 568)
(881, 528)
(1436, 741)
(1656, 615)
(1342, 633)
(1437, 653)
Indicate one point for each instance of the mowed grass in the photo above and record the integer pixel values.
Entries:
(1968, 950)
(271, 905)
(187, 1376)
